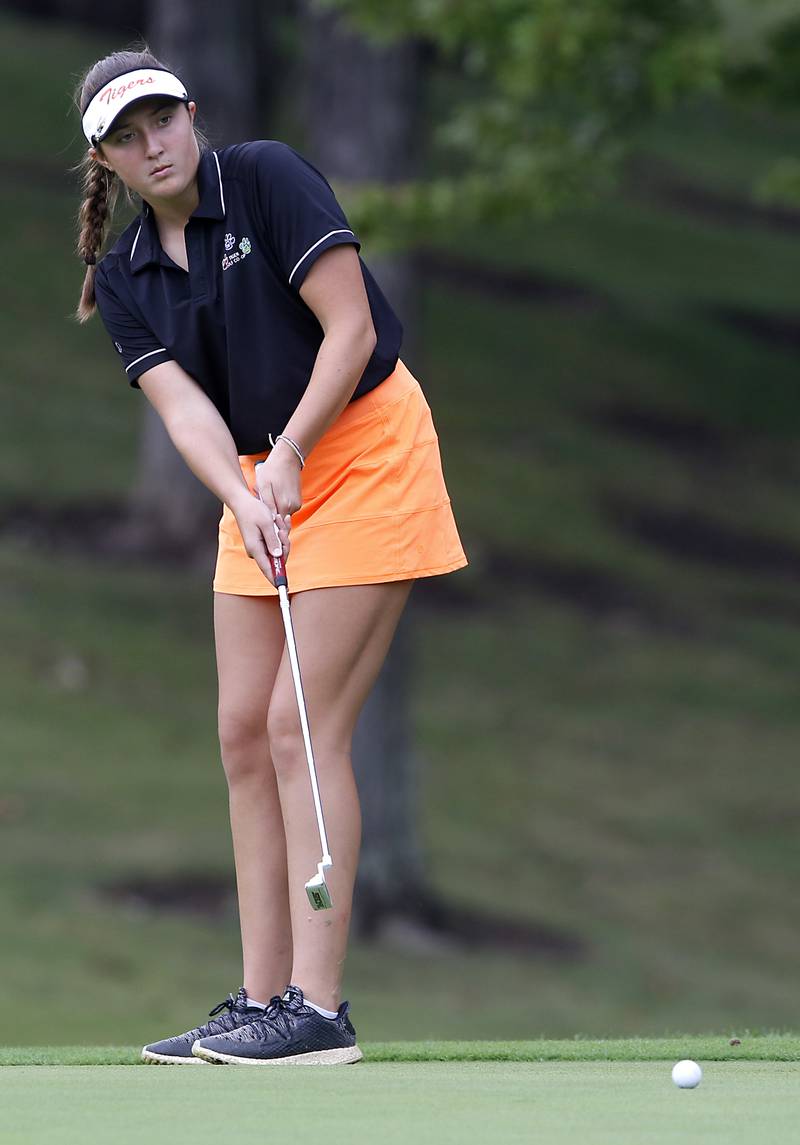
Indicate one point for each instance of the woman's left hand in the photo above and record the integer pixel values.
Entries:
(278, 483)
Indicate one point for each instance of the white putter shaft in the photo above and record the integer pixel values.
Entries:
(318, 894)
(316, 888)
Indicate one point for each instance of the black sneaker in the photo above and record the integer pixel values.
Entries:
(288, 1032)
(178, 1050)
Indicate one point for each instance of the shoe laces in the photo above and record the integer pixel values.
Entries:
(229, 1002)
(276, 1019)
(221, 1025)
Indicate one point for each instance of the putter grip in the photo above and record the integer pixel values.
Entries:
(279, 570)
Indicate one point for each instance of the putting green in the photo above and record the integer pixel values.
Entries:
(425, 1103)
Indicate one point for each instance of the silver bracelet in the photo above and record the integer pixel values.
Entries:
(292, 444)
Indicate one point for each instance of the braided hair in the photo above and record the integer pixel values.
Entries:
(101, 187)
(100, 192)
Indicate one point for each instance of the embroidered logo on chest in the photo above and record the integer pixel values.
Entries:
(245, 247)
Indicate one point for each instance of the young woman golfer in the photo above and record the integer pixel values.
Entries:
(238, 303)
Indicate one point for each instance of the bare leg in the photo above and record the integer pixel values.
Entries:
(250, 642)
(343, 635)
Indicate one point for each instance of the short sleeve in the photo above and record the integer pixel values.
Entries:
(136, 345)
(301, 212)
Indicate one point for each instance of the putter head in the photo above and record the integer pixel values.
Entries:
(318, 894)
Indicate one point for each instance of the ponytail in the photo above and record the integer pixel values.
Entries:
(100, 190)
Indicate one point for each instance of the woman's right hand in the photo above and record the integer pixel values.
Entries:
(263, 532)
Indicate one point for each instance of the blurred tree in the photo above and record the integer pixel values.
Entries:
(534, 103)
(362, 114)
(121, 14)
(537, 98)
(763, 66)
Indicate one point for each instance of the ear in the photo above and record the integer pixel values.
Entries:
(98, 158)
(191, 107)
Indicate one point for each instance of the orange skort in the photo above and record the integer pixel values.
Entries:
(375, 506)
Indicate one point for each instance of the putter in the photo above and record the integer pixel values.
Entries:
(316, 888)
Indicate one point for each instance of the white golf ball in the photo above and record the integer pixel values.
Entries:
(687, 1074)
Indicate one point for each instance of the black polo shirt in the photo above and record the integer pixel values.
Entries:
(235, 321)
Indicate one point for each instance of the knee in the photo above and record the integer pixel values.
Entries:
(243, 742)
(285, 738)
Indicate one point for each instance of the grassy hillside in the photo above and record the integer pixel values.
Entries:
(605, 703)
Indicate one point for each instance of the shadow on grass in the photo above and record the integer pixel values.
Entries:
(418, 920)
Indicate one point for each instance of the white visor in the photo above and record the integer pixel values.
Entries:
(126, 89)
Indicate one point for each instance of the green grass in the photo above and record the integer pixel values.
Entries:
(754, 1047)
(600, 1103)
(624, 774)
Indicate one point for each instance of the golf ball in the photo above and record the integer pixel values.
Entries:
(687, 1074)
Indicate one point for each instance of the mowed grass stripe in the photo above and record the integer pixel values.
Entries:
(433, 1103)
(710, 1047)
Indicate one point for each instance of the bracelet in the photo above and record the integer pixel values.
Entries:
(291, 443)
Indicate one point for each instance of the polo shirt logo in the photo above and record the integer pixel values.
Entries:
(245, 247)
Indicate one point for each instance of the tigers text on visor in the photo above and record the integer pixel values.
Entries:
(119, 93)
